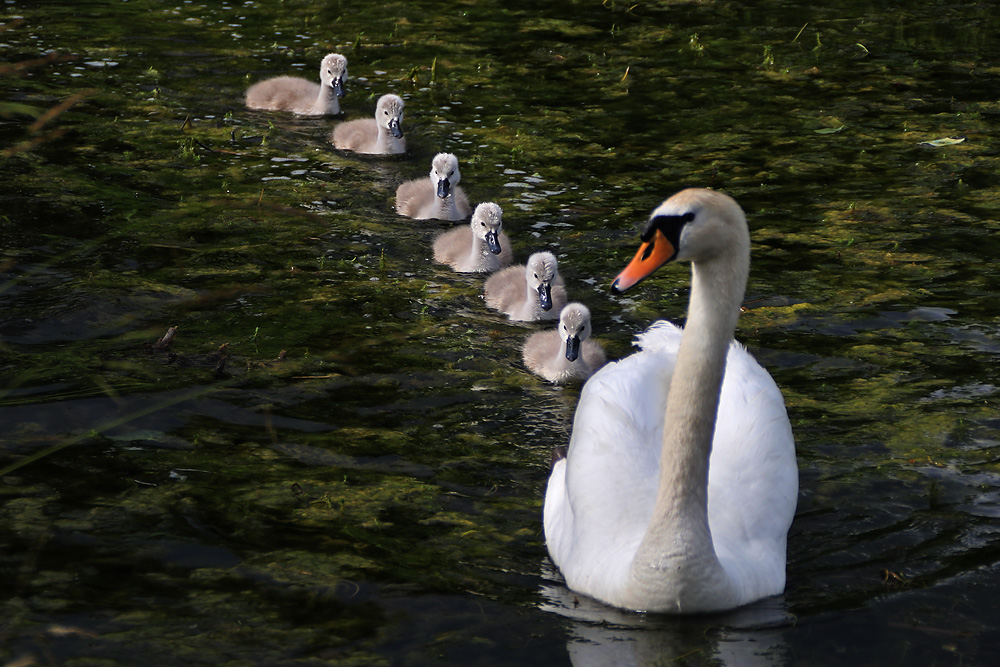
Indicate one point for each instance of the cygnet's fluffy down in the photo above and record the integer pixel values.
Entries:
(565, 353)
(534, 291)
(295, 94)
(479, 247)
(438, 197)
(380, 135)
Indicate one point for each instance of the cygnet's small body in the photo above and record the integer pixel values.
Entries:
(565, 353)
(295, 94)
(479, 247)
(381, 135)
(438, 197)
(534, 291)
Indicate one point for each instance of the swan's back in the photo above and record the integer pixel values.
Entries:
(283, 93)
(599, 500)
(505, 288)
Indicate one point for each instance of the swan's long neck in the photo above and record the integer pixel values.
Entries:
(677, 555)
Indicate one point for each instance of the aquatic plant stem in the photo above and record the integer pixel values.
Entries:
(186, 396)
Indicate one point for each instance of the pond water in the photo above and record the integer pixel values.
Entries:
(339, 458)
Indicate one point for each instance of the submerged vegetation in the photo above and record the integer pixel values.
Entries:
(336, 455)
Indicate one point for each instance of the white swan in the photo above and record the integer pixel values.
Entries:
(479, 247)
(680, 482)
(295, 94)
(379, 135)
(529, 292)
(438, 197)
(566, 352)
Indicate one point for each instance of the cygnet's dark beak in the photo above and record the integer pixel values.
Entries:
(444, 187)
(493, 242)
(572, 348)
(545, 296)
(394, 128)
(338, 87)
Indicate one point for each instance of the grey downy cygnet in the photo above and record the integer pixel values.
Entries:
(295, 94)
(534, 291)
(437, 197)
(382, 134)
(479, 247)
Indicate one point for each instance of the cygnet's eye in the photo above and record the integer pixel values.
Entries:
(483, 224)
(536, 276)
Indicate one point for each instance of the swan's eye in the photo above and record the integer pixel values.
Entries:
(483, 224)
(668, 225)
(536, 276)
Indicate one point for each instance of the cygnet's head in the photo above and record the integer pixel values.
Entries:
(333, 72)
(444, 173)
(487, 221)
(574, 328)
(389, 114)
(541, 271)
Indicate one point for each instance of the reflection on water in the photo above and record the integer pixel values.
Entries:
(600, 636)
(340, 457)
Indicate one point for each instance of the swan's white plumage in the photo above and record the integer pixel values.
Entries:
(615, 471)
(600, 499)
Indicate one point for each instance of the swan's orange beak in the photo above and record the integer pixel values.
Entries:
(652, 254)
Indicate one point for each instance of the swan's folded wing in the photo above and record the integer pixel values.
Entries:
(753, 477)
(611, 471)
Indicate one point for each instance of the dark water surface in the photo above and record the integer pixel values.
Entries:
(340, 459)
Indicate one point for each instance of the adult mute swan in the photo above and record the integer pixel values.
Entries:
(680, 482)
(295, 94)
(379, 135)
(566, 352)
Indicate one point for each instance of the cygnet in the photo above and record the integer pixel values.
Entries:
(565, 353)
(295, 94)
(379, 135)
(534, 291)
(480, 246)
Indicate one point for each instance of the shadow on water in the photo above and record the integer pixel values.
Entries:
(338, 457)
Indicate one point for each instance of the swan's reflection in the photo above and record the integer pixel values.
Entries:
(599, 635)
